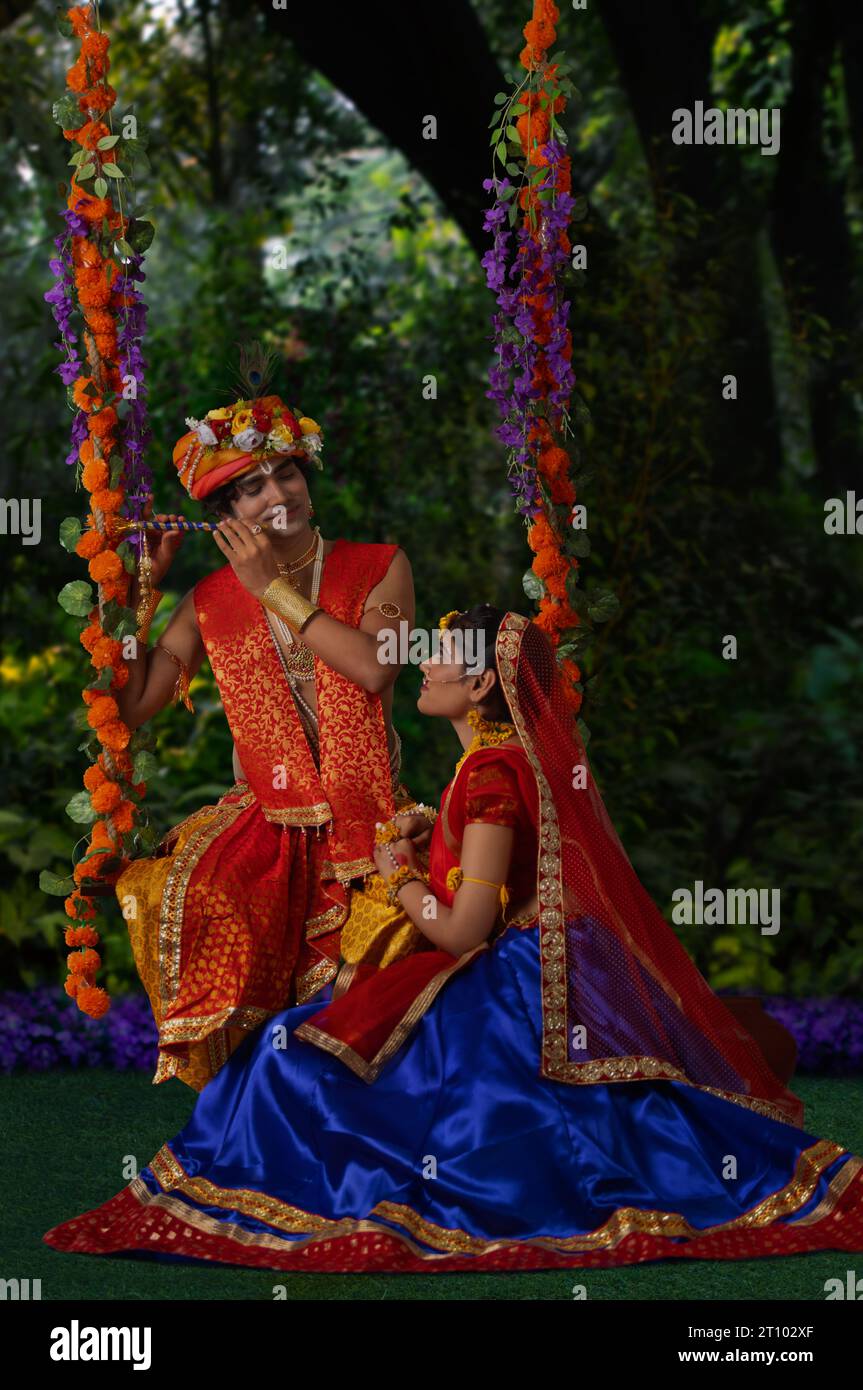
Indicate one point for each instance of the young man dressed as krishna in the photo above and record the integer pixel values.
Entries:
(238, 913)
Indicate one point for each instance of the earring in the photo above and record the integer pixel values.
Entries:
(311, 510)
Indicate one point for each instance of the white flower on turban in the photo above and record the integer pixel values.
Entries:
(248, 439)
(283, 443)
(202, 430)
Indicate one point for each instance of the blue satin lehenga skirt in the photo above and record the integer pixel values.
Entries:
(460, 1143)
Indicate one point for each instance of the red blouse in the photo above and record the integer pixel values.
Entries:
(493, 786)
(370, 1021)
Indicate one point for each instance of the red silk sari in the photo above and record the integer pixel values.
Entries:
(239, 914)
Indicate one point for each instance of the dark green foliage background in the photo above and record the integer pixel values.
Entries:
(743, 772)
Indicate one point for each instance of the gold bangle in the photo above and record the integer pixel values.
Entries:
(418, 808)
(386, 833)
(281, 597)
(144, 615)
(404, 874)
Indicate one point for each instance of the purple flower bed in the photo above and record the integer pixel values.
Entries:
(41, 1029)
(828, 1033)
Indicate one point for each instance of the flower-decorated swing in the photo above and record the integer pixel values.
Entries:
(98, 265)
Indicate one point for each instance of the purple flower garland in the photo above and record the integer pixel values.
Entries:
(135, 434)
(131, 330)
(62, 306)
(537, 265)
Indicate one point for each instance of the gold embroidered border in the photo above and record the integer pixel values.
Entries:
(238, 789)
(167, 1065)
(352, 868)
(283, 1216)
(228, 1230)
(369, 1071)
(842, 1180)
(315, 979)
(195, 1028)
(327, 1043)
(171, 1176)
(344, 978)
(217, 1050)
(174, 894)
(782, 1203)
(549, 882)
(654, 1068)
(325, 922)
(318, 814)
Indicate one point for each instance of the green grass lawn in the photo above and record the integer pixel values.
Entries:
(66, 1135)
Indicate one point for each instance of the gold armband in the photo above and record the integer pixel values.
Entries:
(144, 616)
(181, 688)
(456, 877)
(281, 597)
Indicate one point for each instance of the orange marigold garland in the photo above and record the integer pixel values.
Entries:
(99, 259)
(532, 379)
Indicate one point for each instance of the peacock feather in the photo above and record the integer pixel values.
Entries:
(257, 365)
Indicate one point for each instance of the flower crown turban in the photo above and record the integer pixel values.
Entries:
(234, 439)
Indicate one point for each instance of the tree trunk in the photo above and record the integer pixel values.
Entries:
(664, 54)
(402, 62)
(809, 231)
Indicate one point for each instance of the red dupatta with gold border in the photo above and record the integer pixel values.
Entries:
(621, 998)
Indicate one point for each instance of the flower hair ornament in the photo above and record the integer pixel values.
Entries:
(444, 622)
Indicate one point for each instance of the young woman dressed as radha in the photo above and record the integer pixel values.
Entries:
(549, 1082)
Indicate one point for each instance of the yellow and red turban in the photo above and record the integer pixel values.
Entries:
(234, 439)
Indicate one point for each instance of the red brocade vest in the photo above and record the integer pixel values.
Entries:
(354, 787)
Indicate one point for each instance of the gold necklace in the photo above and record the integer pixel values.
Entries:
(299, 662)
(489, 733)
(292, 566)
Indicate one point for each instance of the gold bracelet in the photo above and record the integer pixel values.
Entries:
(145, 613)
(404, 874)
(281, 597)
(387, 832)
(419, 808)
